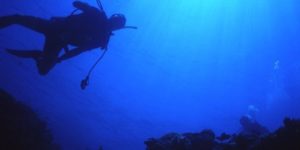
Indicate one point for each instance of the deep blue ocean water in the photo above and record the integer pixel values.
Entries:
(191, 65)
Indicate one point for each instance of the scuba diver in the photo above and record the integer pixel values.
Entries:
(250, 127)
(85, 31)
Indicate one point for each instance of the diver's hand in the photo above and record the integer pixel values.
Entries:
(78, 4)
(82, 6)
(59, 60)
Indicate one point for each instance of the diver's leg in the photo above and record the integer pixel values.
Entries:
(50, 54)
(33, 23)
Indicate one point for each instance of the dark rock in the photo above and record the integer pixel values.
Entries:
(188, 141)
(285, 138)
(171, 141)
(203, 140)
(223, 137)
(20, 127)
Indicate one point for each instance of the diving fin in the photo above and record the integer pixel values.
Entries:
(25, 54)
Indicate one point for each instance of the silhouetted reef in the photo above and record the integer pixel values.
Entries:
(284, 138)
(21, 128)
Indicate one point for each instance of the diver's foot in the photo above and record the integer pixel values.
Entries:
(3, 22)
(34, 54)
(2, 25)
(6, 21)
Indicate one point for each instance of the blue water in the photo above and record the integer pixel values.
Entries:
(190, 65)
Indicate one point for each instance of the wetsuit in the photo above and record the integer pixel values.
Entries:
(86, 31)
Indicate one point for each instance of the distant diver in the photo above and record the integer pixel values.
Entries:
(85, 31)
(250, 127)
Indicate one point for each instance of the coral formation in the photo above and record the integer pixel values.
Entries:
(285, 138)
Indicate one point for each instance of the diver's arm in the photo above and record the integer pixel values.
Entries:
(66, 49)
(83, 6)
(72, 53)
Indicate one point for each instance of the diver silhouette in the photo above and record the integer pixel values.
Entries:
(89, 29)
(251, 127)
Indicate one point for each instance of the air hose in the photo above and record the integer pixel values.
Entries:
(85, 82)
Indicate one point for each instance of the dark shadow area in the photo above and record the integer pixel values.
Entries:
(284, 138)
(21, 128)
